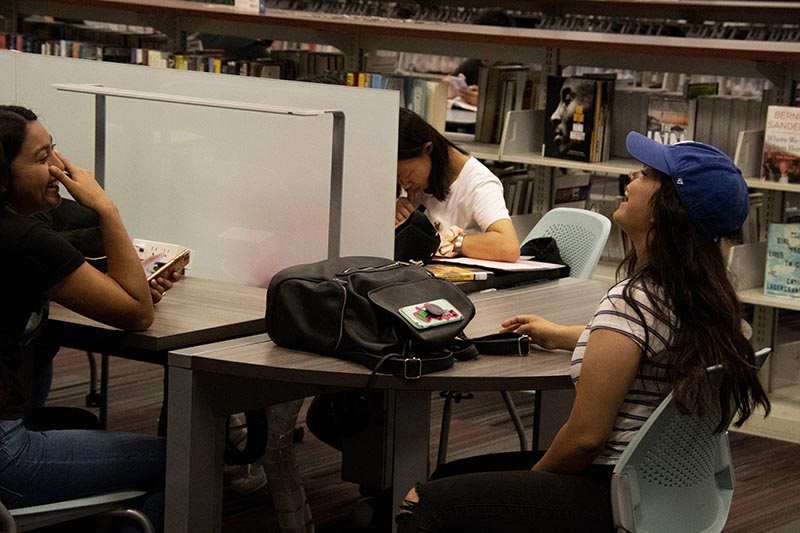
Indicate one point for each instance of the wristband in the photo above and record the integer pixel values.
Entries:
(457, 244)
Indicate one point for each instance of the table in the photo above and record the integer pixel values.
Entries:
(206, 383)
(195, 311)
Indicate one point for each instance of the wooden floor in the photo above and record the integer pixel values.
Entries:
(767, 496)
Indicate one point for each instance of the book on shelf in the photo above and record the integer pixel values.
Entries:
(704, 88)
(782, 274)
(781, 157)
(670, 118)
(424, 95)
(504, 88)
(571, 188)
(452, 272)
(577, 123)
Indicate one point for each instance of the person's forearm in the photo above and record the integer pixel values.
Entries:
(567, 337)
(569, 453)
(492, 246)
(124, 265)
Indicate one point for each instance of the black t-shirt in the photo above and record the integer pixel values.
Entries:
(35, 259)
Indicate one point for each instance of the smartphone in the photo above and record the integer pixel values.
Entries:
(164, 268)
(458, 82)
(431, 314)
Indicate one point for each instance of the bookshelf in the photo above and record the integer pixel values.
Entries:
(777, 61)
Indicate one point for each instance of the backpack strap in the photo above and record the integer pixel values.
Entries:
(508, 343)
(404, 365)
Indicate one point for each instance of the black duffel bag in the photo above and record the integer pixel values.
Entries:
(350, 308)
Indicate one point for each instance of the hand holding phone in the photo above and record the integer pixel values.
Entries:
(458, 83)
(161, 269)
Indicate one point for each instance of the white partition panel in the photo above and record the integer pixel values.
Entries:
(249, 192)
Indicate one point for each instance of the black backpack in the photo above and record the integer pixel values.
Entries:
(350, 308)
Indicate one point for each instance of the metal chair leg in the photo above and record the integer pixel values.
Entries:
(103, 390)
(524, 444)
(447, 411)
(92, 397)
(444, 432)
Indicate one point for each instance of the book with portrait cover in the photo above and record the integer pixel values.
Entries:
(781, 155)
(577, 118)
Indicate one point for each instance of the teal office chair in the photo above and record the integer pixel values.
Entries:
(581, 236)
(39, 516)
(676, 474)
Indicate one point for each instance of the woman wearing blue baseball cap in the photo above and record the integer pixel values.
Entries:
(674, 315)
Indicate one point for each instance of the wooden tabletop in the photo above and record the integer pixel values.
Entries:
(194, 311)
(565, 301)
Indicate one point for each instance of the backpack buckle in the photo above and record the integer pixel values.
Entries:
(523, 345)
(413, 371)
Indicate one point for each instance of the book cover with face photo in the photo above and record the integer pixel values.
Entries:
(577, 119)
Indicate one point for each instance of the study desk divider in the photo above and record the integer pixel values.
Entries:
(337, 142)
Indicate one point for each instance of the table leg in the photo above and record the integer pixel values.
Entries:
(195, 445)
(288, 494)
(408, 425)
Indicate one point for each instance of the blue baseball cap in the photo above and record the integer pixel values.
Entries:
(710, 186)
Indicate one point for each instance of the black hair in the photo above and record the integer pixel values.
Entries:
(413, 134)
(494, 17)
(13, 123)
(700, 303)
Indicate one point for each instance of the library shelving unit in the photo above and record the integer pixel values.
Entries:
(777, 61)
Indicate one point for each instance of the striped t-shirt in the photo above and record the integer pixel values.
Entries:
(651, 384)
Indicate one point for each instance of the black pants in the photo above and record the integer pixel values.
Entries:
(499, 492)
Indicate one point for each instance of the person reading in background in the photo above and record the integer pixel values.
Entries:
(674, 315)
(39, 467)
(462, 198)
(469, 69)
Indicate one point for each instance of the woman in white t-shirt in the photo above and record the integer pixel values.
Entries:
(674, 315)
(462, 197)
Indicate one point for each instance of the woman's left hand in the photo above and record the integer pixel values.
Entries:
(447, 238)
(160, 285)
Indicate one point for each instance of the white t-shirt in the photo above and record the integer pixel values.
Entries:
(474, 203)
(651, 385)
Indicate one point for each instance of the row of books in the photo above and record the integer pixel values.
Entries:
(551, 21)
(580, 122)
(670, 117)
(283, 64)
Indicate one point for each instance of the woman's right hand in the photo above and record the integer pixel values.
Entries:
(403, 208)
(548, 335)
(82, 185)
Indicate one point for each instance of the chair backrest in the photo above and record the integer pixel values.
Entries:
(580, 235)
(676, 473)
(39, 516)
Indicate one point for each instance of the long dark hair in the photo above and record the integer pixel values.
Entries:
(706, 314)
(13, 123)
(413, 134)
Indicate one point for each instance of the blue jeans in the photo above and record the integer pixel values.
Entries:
(38, 467)
(499, 493)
